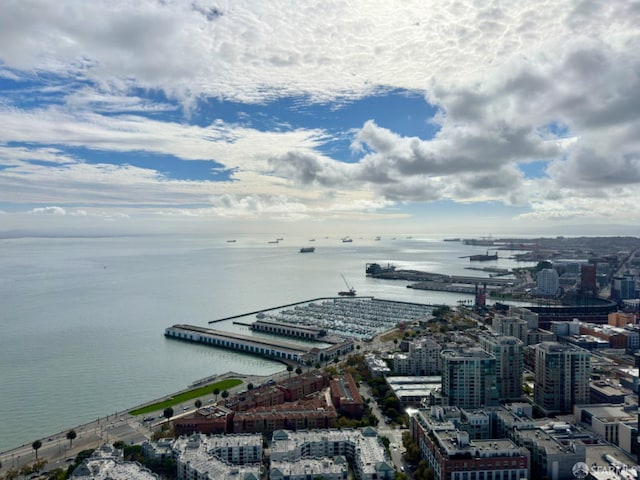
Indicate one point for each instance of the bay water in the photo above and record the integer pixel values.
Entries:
(82, 319)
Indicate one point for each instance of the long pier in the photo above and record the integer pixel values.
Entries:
(417, 276)
(278, 350)
(233, 317)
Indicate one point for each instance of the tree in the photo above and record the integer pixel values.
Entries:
(11, 474)
(225, 394)
(36, 445)
(71, 435)
(316, 365)
(298, 371)
(308, 362)
(198, 403)
(216, 392)
(167, 413)
(39, 465)
(289, 369)
(250, 387)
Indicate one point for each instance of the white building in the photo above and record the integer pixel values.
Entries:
(547, 283)
(106, 463)
(422, 358)
(201, 457)
(361, 447)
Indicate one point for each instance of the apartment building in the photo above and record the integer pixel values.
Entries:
(562, 374)
(468, 378)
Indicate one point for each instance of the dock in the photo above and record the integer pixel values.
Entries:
(275, 349)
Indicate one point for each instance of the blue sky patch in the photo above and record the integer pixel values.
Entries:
(537, 169)
(403, 112)
(171, 167)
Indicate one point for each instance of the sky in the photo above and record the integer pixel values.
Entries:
(481, 117)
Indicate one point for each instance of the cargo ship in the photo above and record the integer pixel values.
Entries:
(483, 257)
(373, 269)
(307, 249)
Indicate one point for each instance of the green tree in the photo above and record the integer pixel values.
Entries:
(71, 436)
(225, 394)
(289, 369)
(298, 370)
(167, 413)
(308, 362)
(216, 392)
(316, 365)
(198, 403)
(441, 311)
(36, 445)
(250, 387)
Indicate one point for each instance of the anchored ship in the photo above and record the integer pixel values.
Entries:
(483, 257)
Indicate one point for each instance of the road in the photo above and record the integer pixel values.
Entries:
(121, 426)
(392, 432)
(58, 451)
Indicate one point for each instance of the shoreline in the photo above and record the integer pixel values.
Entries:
(59, 452)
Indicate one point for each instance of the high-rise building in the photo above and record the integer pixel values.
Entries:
(508, 354)
(510, 326)
(562, 377)
(547, 283)
(623, 287)
(588, 284)
(468, 378)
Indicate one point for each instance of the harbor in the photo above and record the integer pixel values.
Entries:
(329, 328)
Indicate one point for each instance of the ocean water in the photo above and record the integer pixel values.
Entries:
(82, 319)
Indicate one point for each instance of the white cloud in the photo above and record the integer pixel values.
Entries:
(515, 83)
(48, 211)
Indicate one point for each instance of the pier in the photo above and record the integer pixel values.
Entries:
(275, 349)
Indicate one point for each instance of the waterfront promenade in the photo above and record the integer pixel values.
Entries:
(59, 452)
(121, 426)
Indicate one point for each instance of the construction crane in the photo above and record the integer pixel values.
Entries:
(351, 292)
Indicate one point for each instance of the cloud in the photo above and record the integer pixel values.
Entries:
(48, 211)
(549, 82)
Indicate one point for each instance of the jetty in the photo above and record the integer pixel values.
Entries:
(264, 347)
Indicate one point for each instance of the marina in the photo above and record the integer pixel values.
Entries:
(360, 318)
(330, 328)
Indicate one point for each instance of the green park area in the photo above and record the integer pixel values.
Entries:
(188, 395)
